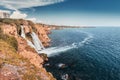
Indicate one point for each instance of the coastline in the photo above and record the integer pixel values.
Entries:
(11, 28)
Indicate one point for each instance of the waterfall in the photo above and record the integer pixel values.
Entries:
(37, 43)
(22, 32)
(30, 44)
(23, 35)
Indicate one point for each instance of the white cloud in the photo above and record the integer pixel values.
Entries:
(6, 11)
(18, 15)
(18, 4)
(32, 19)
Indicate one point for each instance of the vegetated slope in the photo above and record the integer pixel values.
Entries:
(18, 61)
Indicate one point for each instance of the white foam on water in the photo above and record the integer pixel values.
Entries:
(86, 40)
(57, 50)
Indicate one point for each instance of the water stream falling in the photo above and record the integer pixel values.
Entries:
(37, 44)
(22, 32)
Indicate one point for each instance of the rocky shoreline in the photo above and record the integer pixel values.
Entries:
(11, 28)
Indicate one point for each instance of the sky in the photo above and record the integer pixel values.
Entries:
(66, 12)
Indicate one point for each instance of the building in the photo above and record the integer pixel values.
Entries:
(4, 14)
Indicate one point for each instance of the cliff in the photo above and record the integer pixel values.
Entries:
(19, 61)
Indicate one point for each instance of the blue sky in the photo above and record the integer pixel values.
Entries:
(69, 12)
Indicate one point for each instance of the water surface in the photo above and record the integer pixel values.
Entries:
(89, 53)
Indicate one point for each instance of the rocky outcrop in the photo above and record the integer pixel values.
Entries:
(28, 52)
(42, 32)
(25, 50)
(10, 30)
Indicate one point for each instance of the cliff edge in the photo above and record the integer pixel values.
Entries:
(18, 60)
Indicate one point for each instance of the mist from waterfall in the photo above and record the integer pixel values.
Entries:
(37, 44)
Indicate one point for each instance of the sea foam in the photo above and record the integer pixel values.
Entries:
(52, 51)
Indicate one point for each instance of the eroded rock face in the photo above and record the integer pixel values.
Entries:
(10, 30)
(22, 44)
(26, 51)
(43, 34)
(9, 72)
(27, 29)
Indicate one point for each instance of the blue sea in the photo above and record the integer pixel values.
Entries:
(88, 53)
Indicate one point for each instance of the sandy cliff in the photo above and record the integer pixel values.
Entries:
(12, 29)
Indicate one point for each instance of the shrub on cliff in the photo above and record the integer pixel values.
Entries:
(10, 21)
(1, 30)
(6, 20)
(13, 42)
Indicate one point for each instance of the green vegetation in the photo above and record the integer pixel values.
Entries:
(1, 30)
(10, 55)
(12, 58)
(8, 52)
(11, 21)
(9, 39)
(6, 20)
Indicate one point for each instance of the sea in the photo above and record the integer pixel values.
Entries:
(84, 53)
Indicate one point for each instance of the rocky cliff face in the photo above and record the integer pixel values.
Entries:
(12, 28)
(43, 32)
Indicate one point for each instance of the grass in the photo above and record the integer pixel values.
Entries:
(9, 55)
(9, 39)
(12, 58)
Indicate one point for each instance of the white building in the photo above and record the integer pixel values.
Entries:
(4, 14)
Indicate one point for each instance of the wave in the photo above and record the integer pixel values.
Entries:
(57, 50)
